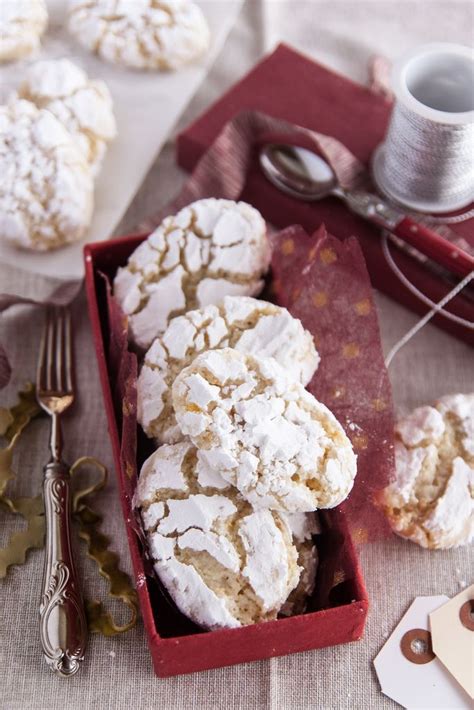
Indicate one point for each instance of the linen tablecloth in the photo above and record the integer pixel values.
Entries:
(117, 672)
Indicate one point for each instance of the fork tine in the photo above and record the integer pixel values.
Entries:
(50, 342)
(59, 349)
(68, 351)
(42, 356)
(55, 371)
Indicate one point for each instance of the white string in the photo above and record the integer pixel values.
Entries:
(437, 308)
(415, 148)
(415, 291)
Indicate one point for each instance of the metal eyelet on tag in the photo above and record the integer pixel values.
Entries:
(466, 614)
(416, 646)
(407, 667)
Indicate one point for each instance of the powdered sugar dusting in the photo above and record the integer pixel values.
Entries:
(264, 432)
(46, 194)
(246, 324)
(163, 275)
(22, 22)
(223, 564)
(431, 500)
(145, 34)
(82, 105)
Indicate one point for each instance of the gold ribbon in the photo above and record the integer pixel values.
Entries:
(12, 423)
(107, 561)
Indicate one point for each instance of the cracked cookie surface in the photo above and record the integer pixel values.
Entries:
(144, 34)
(240, 322)
(264, 432)
(431, 500)
(22, 22)
(46, 195)
(82, 105)
(210, 249)
(222, 563)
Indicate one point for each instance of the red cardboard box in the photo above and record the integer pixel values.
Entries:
(290, 86)
(176, 645)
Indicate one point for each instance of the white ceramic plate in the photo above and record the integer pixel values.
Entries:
(147, 105)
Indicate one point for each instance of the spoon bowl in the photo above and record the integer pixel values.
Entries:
(298, 172)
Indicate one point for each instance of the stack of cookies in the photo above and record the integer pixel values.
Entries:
(55, 130)
(245, 454)
(54, 134)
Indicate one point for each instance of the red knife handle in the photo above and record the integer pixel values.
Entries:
(435, 246)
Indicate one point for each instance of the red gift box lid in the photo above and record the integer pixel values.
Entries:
(292, 87)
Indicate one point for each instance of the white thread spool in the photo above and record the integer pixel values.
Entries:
(427, 160)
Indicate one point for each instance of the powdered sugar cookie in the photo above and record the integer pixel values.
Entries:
(82, 105)
(144, 34)
(303, 526)
(240, 322)
(431, 500)
(264, 432)
(22, 22)
(210, 249)
(223, 564)
(46, 192)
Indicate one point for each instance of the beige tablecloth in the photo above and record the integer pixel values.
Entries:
(117, 672)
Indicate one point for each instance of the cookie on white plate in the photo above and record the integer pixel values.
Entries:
(46, 192)
(210, 249)
(303, 527)
(431, 500)
(143, 34)
(241, 322)
(22, 22)
(83, 106)
(222, 563)
(264, 432)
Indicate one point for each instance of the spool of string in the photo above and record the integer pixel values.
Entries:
(426, 162)
(429, 162)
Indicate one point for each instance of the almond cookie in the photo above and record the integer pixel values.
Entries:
(431, 500)
(143, 34)
(222, 563)
(264, 432)
(82, 105)
(22, 22)
(46, 194)
(303, 526)
(210, 249)
(240, 322)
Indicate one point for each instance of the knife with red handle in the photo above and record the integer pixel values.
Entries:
(435, 246)
(427, 241)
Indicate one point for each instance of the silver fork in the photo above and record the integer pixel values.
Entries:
(63, 625)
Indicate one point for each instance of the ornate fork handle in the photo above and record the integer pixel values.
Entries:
(63, 625)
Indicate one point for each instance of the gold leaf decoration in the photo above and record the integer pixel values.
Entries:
(20, 543)
(31, 509)
(120, 585)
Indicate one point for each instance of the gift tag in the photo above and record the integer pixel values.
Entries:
(452, 630)
(407, 668)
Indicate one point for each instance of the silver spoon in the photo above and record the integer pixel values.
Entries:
(306, 176)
